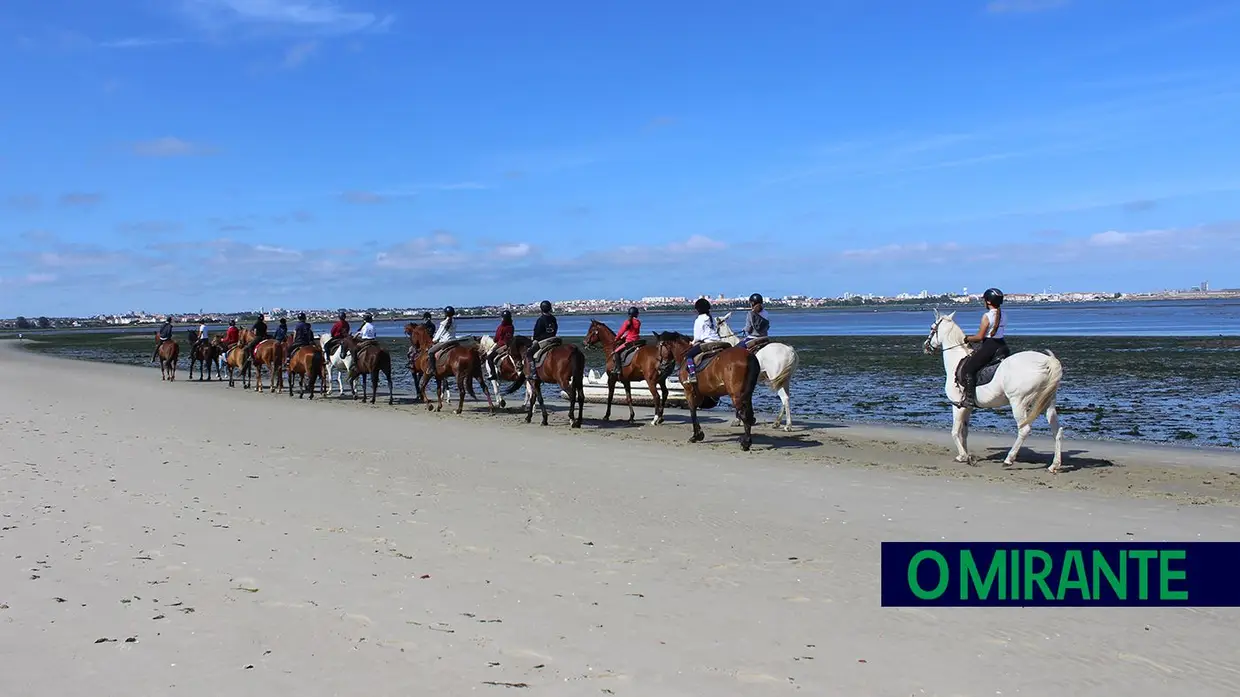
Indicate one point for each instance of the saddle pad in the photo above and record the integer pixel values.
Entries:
(630, 353)
(986, 374)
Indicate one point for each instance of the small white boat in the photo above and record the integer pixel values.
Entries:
(595, 388)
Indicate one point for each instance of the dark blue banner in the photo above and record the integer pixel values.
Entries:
(1065, 574)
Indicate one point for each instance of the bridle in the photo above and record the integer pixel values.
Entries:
(934, 329)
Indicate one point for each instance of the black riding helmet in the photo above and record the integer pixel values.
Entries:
(505, 315)
(301, 316)
(994, 296)
(633, 312)
(545, 306)
(342, 315)
(426, 315)
(449, 311)
(283, 321)
(702, 306)
(755, 298)
(232, 322)
(366, 317)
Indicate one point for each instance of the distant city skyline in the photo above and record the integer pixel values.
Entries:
(349, 153)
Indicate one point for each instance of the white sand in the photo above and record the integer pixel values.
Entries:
(572, 562)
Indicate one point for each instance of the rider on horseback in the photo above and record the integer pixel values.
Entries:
(503, 336)
(164, 334)
(426, 322)
(704, 332)
(630, 332)
(989, 338)
(232, 335)
(366, 335)
(202, 334)
(339, 331)
(756, 323)
(545, 330)
(303, 335)
(260, 335)
(444, 337)
(281, 331)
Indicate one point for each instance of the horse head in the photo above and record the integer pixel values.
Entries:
(672, 347)
(595, 334)
(418, 336)
(940, 328)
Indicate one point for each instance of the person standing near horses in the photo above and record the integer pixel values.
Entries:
(164, 334)
(704, 332)
(339, 331)
(503, 337)
(303, 335)
(756, 323)
(545, 330)
(990, 341)
(628, 335)
(444, 337)
(260, 335)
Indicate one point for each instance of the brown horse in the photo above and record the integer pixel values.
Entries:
(270, 353)
(168, 352)
(309, 362)
(205, 354)
(368, 361)
(643, 366)
(234, 359)
(462, 363)
(563, 365)
(732, 372)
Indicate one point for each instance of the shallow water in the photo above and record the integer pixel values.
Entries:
(1142, 388)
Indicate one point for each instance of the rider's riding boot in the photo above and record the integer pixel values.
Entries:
(970, 392)
(692, 371)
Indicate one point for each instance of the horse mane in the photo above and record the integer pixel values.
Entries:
(671, 336)
(949, 331)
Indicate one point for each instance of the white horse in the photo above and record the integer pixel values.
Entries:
(486, 345)
(335, 362)
(778, 363)
(1028, 381)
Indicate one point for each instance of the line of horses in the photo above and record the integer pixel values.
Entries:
(1027, 381)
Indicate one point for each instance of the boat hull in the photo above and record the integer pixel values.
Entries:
(595, 389)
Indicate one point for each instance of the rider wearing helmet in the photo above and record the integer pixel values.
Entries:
(260, 335)
(545, 329)
(367, 332)
(704, 332)
(281, 332)
(990, 341)
(426, 322)
(339, 331)
(164, 334)
(503, 337)
(628, 335)
(445, 337)
(756, 323)
(303, 335)
(232, 335)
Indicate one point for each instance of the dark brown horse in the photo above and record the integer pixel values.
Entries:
(462, 363)
(205, 354)
(370, 359)
(732, 372)
(168, 353)
(234, 359)
(269, 353)
(310, 365)
(644, 366)
(563, 365)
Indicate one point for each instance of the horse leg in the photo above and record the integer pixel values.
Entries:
(1052, 418)
(530, 399)
(542, 404)
(1022, 432)
(462, 379)
(611, 390)
(654, 395)
(691, 395)
(785, 399)
(628, 397)
(658, 419)
(960, 434)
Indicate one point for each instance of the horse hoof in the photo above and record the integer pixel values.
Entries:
(699, 436)
(746, 445)
(961, 458)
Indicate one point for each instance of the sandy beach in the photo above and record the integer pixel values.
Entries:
(183, 538)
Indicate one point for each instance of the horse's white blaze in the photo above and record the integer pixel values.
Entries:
(778, 363)
(1028, 381)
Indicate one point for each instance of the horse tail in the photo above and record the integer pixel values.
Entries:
(752, 370)
(781, 380)
(1054, 375)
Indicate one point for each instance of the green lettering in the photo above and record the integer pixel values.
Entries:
(1143, 571)
(1014, 592)
(1074, 564)
(1038, 577)
(944, 574)
(970, 578)
(1102, 567)
(1166, 575)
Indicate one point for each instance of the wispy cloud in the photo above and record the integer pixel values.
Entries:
(23, 202)
(299, 53)
(169, 146)
(1023, 6)
(80, 199)
(362, 197)
(306, 17)
(149, 228)
(142, 42)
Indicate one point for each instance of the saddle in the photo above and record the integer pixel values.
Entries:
(629, 353)
(757, 343)
(986, 373)
(548, 344)
(710, 350)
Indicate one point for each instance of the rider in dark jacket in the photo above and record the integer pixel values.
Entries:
(545, 330)
(164, 334)
(260, 334)
(303, 335)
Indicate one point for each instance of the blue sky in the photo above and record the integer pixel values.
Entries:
(224, 154)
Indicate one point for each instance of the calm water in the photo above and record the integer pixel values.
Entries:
(1159, 371)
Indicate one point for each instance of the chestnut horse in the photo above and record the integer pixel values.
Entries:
(463, 363)
(368, 361)
(234, 359)
(644, 366)
(169, 351)
(732, 372)
(310, 365)
(270, 353)
(205, 354)
(563, 365)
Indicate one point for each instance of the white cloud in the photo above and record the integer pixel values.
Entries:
(321, 17)
(697, 243)
(169, 146)
(299, 53)
(514, 251)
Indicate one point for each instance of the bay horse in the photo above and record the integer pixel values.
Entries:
(339, 363)
(1028, 381)
(310, 365)
(643, 364)
(270, 353)
(205, 354)
(368, 361)
(168, 353)
(507, 368)
(234, 359)
(778, 363)
(732, 371)
(462, 363)
(563, 365)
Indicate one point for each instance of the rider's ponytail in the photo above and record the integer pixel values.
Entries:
(998, 316)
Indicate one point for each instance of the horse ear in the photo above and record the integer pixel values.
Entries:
(936, 313)
(952, 315)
